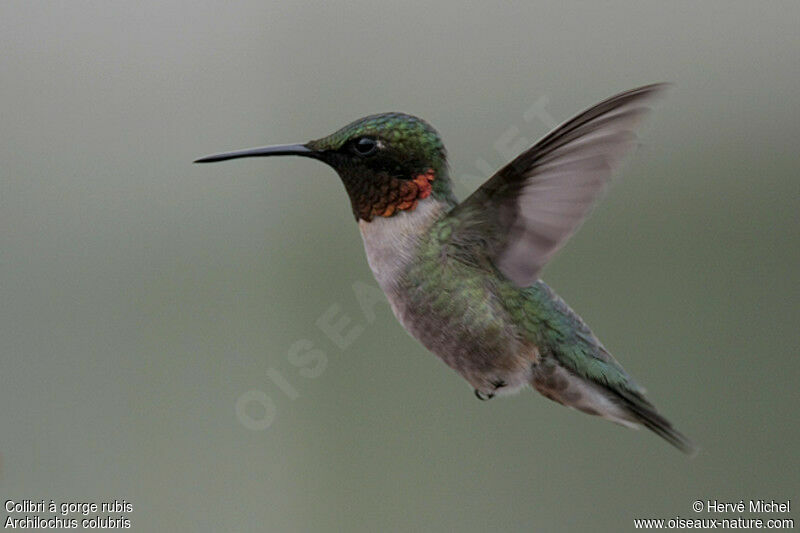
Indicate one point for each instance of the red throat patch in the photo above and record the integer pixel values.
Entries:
(401, 195)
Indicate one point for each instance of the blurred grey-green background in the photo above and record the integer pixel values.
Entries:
(142, 296)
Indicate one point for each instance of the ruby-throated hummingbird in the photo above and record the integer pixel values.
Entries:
(463, 278)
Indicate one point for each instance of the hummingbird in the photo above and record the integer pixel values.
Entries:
(464, 278)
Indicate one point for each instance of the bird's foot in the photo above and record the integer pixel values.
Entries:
(482, 396)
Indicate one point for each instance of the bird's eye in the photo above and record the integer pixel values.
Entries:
(365, 146)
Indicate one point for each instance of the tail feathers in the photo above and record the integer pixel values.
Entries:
(645, 414)
(620, 403)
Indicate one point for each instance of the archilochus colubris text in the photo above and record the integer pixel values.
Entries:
(463, 278)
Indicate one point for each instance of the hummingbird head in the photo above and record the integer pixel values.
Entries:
(388, 162)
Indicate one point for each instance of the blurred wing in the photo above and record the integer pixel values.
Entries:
(524, 213)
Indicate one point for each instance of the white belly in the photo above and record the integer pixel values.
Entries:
(391, 243)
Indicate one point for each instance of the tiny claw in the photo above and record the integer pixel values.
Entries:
(482, 396)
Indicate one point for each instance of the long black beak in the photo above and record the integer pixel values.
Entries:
(264, 151)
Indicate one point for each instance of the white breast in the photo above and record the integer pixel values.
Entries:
(391, 242)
